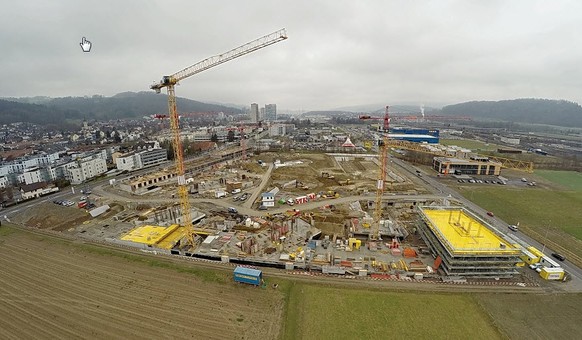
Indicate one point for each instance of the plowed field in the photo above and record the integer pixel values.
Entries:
(53, 289)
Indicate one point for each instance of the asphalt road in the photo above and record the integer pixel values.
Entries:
(264, 180)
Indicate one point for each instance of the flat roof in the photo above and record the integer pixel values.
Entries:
(247, 271)
(466, 161)
(406, 135)
(553, 270)
(162, 237)
(465, 234)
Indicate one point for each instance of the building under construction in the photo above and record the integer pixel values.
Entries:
(465, 245)
(472, 166)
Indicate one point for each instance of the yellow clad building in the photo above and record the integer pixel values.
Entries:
(466, 245)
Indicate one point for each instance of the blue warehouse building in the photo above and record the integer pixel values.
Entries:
(414, 138)
(430, 136)
(408, 131)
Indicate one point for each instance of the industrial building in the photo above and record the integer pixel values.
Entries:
(465, 245)
(430, 136)
(145, 183)
(471, 166)
(414, 138)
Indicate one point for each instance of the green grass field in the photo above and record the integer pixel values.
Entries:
(570, 180)
(528, 316)
(317, 312)
(556, 214)
(533, 207)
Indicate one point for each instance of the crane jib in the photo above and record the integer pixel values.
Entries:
(169, 82)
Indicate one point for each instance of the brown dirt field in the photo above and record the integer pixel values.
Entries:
(57, 289)
(52, 216)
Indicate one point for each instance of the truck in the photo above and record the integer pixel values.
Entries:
(248, 275)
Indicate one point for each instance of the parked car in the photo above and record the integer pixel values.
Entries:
(490, 214)
(232, 210)
(559, 256)
(534, 266)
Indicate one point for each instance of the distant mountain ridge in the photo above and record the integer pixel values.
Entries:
(527, 110)
(42, 110)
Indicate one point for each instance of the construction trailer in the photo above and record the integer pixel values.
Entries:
(552, 273)
(248, 275)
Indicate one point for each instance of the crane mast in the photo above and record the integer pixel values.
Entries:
(375, 229)
(383, 151)
(170, 81)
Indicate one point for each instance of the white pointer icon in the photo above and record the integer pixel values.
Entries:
(85, 45)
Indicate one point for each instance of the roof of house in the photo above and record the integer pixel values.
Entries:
(33, 186)
(203, 146)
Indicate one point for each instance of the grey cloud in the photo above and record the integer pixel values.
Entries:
(339, 53)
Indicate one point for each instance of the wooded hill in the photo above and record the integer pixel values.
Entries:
(535, 111)
(43, 110)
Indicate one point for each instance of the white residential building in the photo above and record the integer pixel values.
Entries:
(18, 166)
(141, 159)
(4, 182)
(281, 129)
(129, 161)
(32, 175)
(86, 169)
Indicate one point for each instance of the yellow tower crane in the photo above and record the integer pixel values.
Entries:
(170, 81)
(375, 227)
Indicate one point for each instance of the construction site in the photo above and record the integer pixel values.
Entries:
(343, 213)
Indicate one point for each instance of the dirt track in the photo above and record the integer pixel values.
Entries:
(52, 289)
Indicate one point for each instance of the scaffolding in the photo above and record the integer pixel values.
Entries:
(467, 245)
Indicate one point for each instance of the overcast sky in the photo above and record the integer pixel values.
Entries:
(339, 53)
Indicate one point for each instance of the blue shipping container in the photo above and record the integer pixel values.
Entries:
(248, 275)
